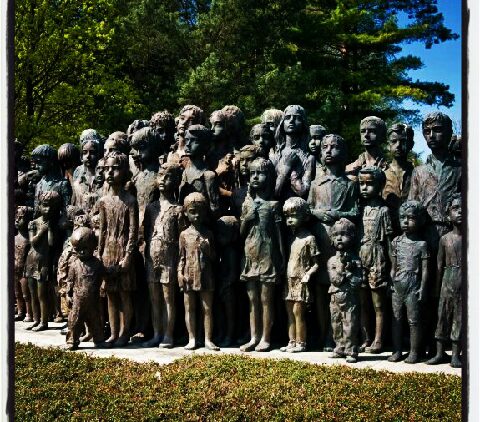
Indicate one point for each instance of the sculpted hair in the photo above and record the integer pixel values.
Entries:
(83, 236)
(439, 117)
(272, 114)
(403, 130)
(198, 114)
(120, 139)
(217, 114)
(69, 153)
(453, 197)
(264, 164)
(376, 172)
(27, 212)
(136, 125)
(343, 224)
(340, 142)
(195, 198)
(296, 204)
(90, 135)
(320, 128)
(45, 151)
(417, 208)
(52, 197)
(230, 225)
(203, 134)
(174, 169)
(251, 150)
(379, 123)
(122, 160)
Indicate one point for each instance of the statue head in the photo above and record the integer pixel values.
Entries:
(296, 211)
(99, 173)
(317, 132)
(23, 215)
(144, 145)
(136, 125)
(373, 132)
(116, 141)
(262, 176)
(163, 123)
(198, 140)
(227, 230)
(189, 115)
(342, 234)
(218, 123)
(400, 140)
(272, 118)
(169, 177)
(247, 154)
(294, 124)
(88, 135)
(91, 152)
(196, 208)
(68, 156)
(83, 242)
(49, 205)
(454, 209)
(437, 131)
(45, 160)
(116, 168)
(371, 180)
(262, 136)
(334, 150)
(235, 124)
(412, 216)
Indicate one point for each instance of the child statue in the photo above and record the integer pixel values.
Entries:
(409, 278)
(247, 154)
(317, 132)
(373, 133)
(345, 273)
(163, 124)
(23, 216)
(85, 175)
(376, 235)
(263, 259)
(293, 164)
(272, 118)
(302, 264)
(449, 277)
(189, 115)
(132, 128)
(332, 196)
(44, 239)
(69, 159)
(83, 290)
(95, 153)
(227, 232)
(398, 174)
(262, 136)
(45, 160)
(235, 125)
(195, 269)
(197, 177)
(118, 214)
(164, 221)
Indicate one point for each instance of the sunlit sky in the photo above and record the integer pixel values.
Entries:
(442, 63)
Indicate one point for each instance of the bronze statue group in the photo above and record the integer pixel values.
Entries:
(249, 240)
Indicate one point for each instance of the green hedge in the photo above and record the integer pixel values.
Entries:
(53, 385)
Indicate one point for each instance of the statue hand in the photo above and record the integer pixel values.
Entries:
(306, 278)
(421, 294)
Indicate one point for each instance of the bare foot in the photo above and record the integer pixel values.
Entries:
(396, 357)
(31, 327)
(167, 343)
(374, 348)
(291, 344)
(248, 347)
(86, 337)
(263, 346)
(40, 327)
(190, 345)
(412, 358)
(210, 345)
(436, 360)
(121, 342)
(456, 362)
(28, 318)
(153, 342)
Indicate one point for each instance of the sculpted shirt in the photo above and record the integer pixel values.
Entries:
(397, 185)
(432, 185)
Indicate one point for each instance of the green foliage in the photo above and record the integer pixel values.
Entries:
(52, 385)
(102, 64)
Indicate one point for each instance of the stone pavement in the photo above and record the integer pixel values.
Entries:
(135, 352)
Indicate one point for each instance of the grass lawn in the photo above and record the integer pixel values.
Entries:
(53, 385)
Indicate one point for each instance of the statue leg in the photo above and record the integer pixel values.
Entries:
(113, 316)
(253, 291)
(32, 286)
(21, 306)
(28, 300)
(266, 296)
(43, 300)
(299, 309)
(190, 302)
(397, 307)
(337, 327)
(155, 290)
(365, 299)
(413, 311)
(169, 300)
(126, 316)
(378, 299)
(291, 327)
(350, 330)
(207, 300)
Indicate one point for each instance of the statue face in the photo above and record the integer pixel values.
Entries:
(316, 136)
(270, 122)
(342, 240)
(409, 221)
(218, 128)
(110, 146)
(293, 124)
(114, 174)
(369, 188)
(436, 135)
(294, 219)
(41, 165)
(262, 138)
(46, 210)
(258, 178)
(244, 162)
(90, 155)
(185, 120)
(99, 175)
(196, 212)
(166, 181)
(20, 220)
(331, 151)
(141, 152)
(370, 134)
(455, 212)
(83, 249)
(193, 146)
(398, 145)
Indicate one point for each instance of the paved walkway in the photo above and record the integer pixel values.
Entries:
(52, 337)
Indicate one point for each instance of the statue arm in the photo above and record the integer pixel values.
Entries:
(102, 228)
(133, 229)
(181, 262)
(440, 266)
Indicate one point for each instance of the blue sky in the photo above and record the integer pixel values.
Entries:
(442, 63)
